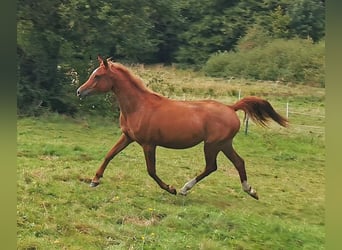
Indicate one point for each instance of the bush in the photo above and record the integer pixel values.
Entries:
(296, 60)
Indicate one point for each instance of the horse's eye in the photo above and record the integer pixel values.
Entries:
(96, 77)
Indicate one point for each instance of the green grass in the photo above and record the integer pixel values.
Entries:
(56, 209)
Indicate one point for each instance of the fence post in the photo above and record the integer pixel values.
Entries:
(287, 110)
(246, 125)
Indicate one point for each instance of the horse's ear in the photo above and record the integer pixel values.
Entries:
(99, 58)
(104, 61)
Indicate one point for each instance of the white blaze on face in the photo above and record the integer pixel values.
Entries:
(93, 77)
(94, 72)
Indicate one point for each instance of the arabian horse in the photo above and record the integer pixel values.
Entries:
(152, 120)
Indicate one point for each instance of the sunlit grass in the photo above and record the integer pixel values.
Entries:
(128, 210)
(56, 209)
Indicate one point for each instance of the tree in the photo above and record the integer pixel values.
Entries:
(280, 23)
(308, 19)
(209, 26)
(256, 36)
(55, 38)
(39, 43)
(167, 24)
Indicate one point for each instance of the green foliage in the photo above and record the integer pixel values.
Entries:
(210, 26)
(55, 38)
(40, 81)
(256, 36)
(307, 18)
(280, 23)
(296, 60)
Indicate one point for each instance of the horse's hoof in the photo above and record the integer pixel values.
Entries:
(254, 195)
(94, 184)
(172, 190)
(182, 192)
(252, 192)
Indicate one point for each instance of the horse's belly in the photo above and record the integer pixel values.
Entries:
(178, 140)
(175, 134)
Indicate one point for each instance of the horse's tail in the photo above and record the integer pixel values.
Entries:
(259, 110)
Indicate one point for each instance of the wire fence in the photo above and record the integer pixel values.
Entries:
(311, 121)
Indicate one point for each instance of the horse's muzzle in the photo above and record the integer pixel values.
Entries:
(81, 93)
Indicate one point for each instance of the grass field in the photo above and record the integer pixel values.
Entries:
(56, 209)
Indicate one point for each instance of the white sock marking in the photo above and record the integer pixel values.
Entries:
(188, 186)
(246, 187)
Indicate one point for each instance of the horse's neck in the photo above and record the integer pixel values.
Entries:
(131, 96)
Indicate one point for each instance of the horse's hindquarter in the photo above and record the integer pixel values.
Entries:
(180, 124)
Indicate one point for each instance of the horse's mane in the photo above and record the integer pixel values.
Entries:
(138, 82)
(127, 72)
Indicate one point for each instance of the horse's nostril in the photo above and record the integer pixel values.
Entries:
(78, 93)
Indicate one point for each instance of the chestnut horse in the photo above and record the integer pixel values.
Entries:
(152, 120)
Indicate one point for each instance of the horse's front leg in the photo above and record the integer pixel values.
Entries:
(150, 157)
(122, 143)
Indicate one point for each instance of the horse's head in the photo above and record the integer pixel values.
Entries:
(99, 81)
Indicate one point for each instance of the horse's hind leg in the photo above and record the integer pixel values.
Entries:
(239, 164)
(210, 152)
(150, 157)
